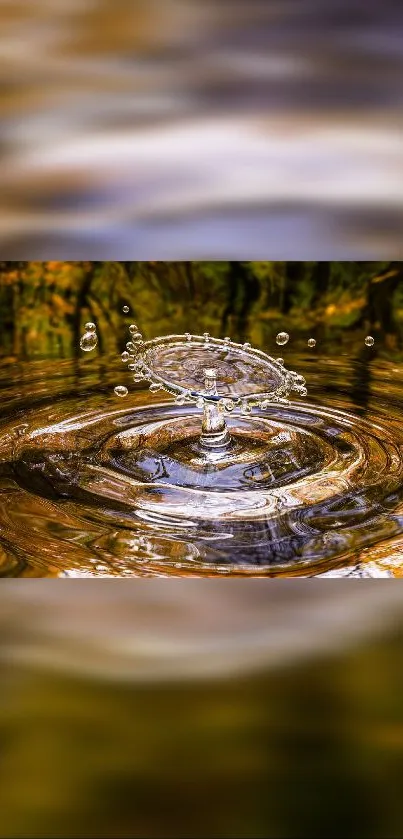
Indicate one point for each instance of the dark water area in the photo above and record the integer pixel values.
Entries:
(94, 485)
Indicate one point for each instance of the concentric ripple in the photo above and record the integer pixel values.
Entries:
(97, 489)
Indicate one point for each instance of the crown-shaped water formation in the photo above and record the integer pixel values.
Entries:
(217, 375)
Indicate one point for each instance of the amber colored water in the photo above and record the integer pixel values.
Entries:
(95, 485)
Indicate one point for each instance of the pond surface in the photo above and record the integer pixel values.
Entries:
(94, 485)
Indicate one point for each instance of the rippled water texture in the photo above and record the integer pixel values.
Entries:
(95, 485)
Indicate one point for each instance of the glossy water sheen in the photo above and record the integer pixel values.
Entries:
(95, 485)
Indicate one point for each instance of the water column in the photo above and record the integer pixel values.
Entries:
(214, 428)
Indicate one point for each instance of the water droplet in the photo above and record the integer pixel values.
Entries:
(137, 337)
(121, 390)
(369, 341)
(227, 339)
(155, 387)
(282, 338)
(90, 327)
(280, 360)
(133, 328)
(188, 336)
(180, 400)
(88, 341)
(311, 342)
(130, 346)
(229, 404)
(247, 346)
(125, 357)
(200, 402)
(206, 336)
(138, 377)
(126, 309)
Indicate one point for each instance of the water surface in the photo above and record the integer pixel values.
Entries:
(95, 485)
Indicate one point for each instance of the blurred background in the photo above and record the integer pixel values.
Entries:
(44, 305)
(175, 130)
(199, 708)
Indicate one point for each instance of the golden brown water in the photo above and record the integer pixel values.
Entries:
(94, 485)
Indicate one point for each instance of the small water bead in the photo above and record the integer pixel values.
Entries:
(200, 402)
(137, 337)
(88, 341)
(280, 360)
(130, 346)
(90, 327)
(125, 357)
(138, 377)
(247, 346)
(227, 340)
(121, 390)
(155, 387)
(180, 400)
(369, 341)
(311, 342)
(133, 328)
(188, 336)
(282, 338)
(206, 336)
(126, 309)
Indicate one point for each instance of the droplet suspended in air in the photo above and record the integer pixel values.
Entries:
(133, 328)
(90, 327)
(282, 338)
(311, 342)
(88, 341)
(126, 309)
(121, 390)
(369, 341)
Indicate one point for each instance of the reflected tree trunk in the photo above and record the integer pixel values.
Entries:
(321, 281)
(294, 273)
(379, 315)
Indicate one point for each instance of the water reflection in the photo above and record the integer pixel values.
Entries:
(98, 486)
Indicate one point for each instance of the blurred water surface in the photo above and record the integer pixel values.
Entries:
(200, 708)
(170, 130)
